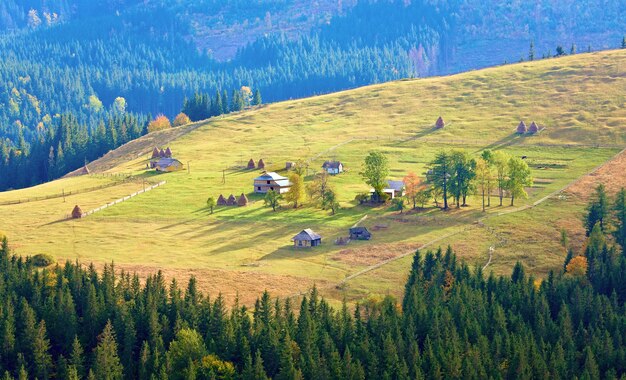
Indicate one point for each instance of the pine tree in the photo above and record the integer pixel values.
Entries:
(619, 209)
(256, 100)
(76, 357)
(597, 210)
(531, 51)
(107, 364)
(40, 351)
(624, 42)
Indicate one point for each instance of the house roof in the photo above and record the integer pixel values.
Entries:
(271, 176)
(395, 185)
(331, 165)
(307, 235)
(165, 162)
(358, 230)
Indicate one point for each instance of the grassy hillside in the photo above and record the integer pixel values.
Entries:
(579, 100)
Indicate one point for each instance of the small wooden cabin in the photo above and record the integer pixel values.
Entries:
(333, 167)
(360, 233)
(168, 165)
(307, 239)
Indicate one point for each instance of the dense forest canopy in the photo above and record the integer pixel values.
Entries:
(76, 57)
(70, 322)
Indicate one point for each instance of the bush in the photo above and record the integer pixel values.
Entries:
(42, 260)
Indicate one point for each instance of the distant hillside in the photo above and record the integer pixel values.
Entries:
(75, 58)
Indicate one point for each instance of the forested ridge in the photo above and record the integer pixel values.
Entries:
(77, 57)
(70, 322)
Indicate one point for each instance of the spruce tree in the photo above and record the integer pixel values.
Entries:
(42, 359)
(107, 364)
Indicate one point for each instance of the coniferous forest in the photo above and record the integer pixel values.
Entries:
(90, 61)
(69, 322)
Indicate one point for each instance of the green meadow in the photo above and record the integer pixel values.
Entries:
(579, 102)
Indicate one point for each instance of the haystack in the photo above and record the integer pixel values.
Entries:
(534, 128)
(521, 128)
(232, 201)
(155, 152)
(162, 153)
(77, 213)
(251, 164)
(440, 123)
(242, 201)
(84, 170)
(168, 152)
(221, 201)
(261, 164)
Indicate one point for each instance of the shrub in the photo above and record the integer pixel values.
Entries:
(181, 119)
(42, 260)
(161, 122)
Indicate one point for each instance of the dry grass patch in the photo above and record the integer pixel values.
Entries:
(612, 175)
(367, 255)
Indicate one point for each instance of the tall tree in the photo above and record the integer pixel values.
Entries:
(619, 209)
(412, 187)
(375, 172)
(272, 199)
(296, 192)
(519, 178)
(106, 364)
(597, 210)
(500, 161)
(441, 169)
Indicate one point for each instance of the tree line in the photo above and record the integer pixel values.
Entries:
(71, 322)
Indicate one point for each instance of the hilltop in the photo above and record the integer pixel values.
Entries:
(578, 101)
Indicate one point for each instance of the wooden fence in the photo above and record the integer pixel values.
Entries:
(121, 200)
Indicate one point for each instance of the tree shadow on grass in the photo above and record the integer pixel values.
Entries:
(507, 141)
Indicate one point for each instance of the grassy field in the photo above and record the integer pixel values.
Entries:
(580, 102)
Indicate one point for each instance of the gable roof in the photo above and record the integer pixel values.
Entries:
(395, 185)
(270, 176)
(165, 162)
(358, 230)
(331, 165)
(307, 235)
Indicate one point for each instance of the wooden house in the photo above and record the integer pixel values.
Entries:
(393, 189)
(333, 167)
(306, 239)
(168, 165)
(290, 165)
(360, 233)
(271, 181)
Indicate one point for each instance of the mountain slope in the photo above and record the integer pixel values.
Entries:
(578, 100)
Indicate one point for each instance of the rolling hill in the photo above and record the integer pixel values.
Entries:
(578, 100)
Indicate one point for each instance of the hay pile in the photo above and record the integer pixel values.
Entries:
(77, 213)
(440, 123)
(261, 164)
(232, 201)
(251, 164)
(521, 128)
(221, 201)
(243, 200)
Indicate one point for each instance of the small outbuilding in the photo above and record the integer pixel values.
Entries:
(521, 128)
(306, 239)
(440, 123)
(168, 165)
(360, 233)
(232, 201)
(251, 164)
(333, 167)
(242, 201)
(221, 201)
(260, 164)
(290, 165)
(393, 189)
(77, 213)
(534, 128)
